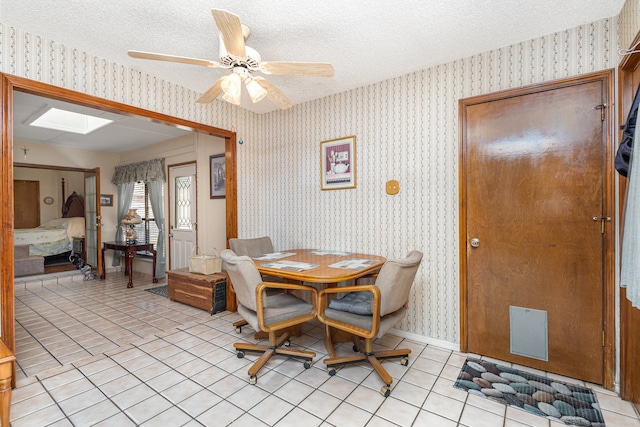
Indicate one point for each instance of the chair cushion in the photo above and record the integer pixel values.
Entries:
(354, 302)
(278, 308)
(365, 322)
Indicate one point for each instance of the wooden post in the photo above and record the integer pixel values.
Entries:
(6, 372)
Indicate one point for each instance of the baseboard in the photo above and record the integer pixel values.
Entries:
(426, 340)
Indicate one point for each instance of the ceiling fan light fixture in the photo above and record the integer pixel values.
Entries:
(231, 87)
(233, 99)
(256, 92)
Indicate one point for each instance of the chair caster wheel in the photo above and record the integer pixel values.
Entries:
(238, 329)
(404, 361)
(307, 364)
(240, 354)
(253, 379)
(356, 349)
(385, 391)
(332, 371)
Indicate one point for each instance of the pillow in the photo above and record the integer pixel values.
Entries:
(75, 227)
(56, 222)
(354, 302)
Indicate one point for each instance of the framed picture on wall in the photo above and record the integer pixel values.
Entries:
(338, 163)
(106, 200)
(217, 171)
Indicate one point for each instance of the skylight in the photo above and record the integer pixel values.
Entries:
(68, 121)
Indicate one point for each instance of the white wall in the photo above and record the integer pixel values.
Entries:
(51, 186)
(212, 220)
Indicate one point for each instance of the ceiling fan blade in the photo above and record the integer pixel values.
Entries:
(275, 94)
(231, 32)
(212, 93)
(320, 69)
(173, 58)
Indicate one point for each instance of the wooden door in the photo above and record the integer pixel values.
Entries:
(26, 203)
(533, 176)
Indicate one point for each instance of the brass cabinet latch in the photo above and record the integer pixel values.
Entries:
(602, 220)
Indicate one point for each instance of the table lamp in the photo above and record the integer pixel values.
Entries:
(129, 222)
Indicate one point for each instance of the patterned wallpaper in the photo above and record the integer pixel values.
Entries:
(629, 22)
(406, 129)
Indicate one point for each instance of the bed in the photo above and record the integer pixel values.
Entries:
(55, 236)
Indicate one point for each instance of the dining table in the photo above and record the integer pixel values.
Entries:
(326, 267)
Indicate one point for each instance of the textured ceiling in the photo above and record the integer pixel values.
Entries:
(126, 133)
(366, 40)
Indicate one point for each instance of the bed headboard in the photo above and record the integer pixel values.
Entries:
(74, 206)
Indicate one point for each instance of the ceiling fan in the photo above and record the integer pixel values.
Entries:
(243, 61)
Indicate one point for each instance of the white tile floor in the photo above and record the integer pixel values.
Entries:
(96, 353)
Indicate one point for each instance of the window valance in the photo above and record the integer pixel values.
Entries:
(147, 171)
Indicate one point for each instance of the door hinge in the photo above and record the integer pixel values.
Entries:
(600, 107)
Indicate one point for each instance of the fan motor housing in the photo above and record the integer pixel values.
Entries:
(251, 61)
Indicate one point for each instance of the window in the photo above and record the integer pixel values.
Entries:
(148, 230)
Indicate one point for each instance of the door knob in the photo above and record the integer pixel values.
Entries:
(475, 242)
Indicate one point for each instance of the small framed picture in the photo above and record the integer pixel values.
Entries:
(106, 200)
(218, 179)
(338, 163)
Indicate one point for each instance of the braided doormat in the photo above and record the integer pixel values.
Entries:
(566, 403)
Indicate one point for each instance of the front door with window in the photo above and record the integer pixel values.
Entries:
(183, 222)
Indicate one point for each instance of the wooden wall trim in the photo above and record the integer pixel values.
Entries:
(50, 167)
(609, 274)
(7, 309)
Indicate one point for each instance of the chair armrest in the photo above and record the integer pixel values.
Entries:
(285, 323)
(284, 286)
(323, 304)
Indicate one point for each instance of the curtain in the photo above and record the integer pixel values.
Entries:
(125, 196)
(156, 198)
(630, 262)
(630, 258)
(151, 170)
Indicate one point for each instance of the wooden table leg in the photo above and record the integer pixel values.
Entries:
(153, 251)
(6, 372)
(130, 254)
(5, 400)
(104, 267)
(328, 341)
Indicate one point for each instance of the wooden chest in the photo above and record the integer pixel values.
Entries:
(208, 292)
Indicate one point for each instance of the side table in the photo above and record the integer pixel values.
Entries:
(129, 249)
